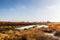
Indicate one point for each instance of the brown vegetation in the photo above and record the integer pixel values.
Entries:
(9, 33)
(26, 34)
(16, 24)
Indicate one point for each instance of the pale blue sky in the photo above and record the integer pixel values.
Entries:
(30, 10)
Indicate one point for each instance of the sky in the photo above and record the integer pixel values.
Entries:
(30, 10)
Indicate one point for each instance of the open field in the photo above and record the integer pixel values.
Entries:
(55, 25)
(26, 34)
(52, 32)
(4, 24)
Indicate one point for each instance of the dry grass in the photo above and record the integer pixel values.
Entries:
(26, 34)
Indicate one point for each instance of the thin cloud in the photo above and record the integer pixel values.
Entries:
(37, 11)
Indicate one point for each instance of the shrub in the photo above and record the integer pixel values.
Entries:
(57, 34)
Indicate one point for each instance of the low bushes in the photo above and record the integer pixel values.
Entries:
(57, 34)
(30, 34)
